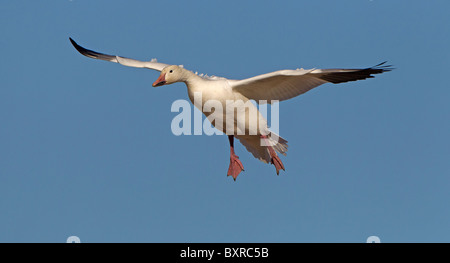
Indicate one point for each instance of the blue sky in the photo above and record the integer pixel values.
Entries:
(86, 147)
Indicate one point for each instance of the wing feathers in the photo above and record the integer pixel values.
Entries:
(279, 85)
(344, 75)
(92, 54)
(116, 59)
(285, 84)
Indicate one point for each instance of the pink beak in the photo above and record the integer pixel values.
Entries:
(160, 81)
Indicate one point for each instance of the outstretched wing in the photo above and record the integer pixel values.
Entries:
(153, 64)
(286, 84)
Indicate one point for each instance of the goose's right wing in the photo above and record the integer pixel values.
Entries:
(121, 60)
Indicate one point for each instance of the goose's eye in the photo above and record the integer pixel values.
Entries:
(170, 71)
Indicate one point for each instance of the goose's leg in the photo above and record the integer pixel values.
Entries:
(274, 159)
(235, 165)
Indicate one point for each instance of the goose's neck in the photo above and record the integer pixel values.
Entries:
(190, 78)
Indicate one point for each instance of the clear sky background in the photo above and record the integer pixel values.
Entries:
(86, 147)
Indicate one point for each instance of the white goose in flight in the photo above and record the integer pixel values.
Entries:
(276, 86)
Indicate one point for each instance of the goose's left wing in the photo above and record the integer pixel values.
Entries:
(285, 84)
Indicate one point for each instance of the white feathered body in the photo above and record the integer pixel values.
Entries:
(236, 114)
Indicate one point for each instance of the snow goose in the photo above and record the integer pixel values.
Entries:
(253, 133)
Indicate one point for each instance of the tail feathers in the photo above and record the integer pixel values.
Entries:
(279, 144)
(258, 148)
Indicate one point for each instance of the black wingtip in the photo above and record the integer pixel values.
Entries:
(72, 41)
(77, 47)
(382, 67)
(90, 53)
(356, 74)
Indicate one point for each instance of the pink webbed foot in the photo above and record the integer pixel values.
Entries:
(274, 159)
(235, 167)
(277, 163)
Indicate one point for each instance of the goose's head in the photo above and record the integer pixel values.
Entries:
(169, 75)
